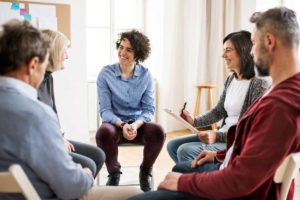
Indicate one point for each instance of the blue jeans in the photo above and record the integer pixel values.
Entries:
(185, 167)
(165, 194)
(186, 148)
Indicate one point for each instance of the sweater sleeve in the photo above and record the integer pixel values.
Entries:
(217, 113)
(51, 162)
(259, 155)
(257, 87)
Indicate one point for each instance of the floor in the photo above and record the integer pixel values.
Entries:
(130, 158)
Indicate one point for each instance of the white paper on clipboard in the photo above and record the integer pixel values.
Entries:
(183, 122)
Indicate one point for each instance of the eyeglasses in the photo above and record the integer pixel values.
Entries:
(228, 50)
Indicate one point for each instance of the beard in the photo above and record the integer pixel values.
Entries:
(262, 70)
(263, 62)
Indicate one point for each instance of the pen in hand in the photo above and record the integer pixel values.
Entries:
(184, 105)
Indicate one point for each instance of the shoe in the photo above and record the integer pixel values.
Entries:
(145, 180)
(114, 178)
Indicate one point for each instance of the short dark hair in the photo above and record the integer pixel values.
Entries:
(139, 42)
(280, 21)
(242, 43)
(19, 43)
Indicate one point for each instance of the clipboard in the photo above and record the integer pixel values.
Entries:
(183, 122)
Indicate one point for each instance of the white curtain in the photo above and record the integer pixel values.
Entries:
(186, 38)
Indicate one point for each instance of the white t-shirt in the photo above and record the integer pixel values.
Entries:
(235, 97)
(234, 100)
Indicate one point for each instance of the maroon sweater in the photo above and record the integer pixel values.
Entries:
(265, 135)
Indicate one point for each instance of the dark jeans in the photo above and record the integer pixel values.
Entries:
(88, 156)
(165, 195)
(185, 167)
(150, 135)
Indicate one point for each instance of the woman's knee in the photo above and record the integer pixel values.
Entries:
(174, 144)
(183, 167)
(158, 129)
(184, 149)
(155, 131)
(84, 161)
(106, 132)
(98, 156)
(170, 148)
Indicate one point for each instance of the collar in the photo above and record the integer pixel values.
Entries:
(137, 70)
(22, 87)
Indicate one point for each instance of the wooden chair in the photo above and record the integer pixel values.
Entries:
(286, 172)
(15, 181)
(209, 88)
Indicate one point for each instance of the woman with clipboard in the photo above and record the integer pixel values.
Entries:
(241, 89)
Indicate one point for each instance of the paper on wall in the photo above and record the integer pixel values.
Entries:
(7, 14)
(42, 10)
(47, 23)
(44, 16)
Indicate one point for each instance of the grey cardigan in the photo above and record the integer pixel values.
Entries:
(257, 87)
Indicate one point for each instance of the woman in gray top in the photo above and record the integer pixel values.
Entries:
(241, 89)
(84, 154)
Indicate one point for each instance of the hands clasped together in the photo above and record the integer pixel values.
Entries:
(130, 131)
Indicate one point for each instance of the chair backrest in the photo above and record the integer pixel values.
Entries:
(15, 181)
(286, 172)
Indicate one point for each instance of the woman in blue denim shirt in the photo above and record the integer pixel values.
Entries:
(126, 100)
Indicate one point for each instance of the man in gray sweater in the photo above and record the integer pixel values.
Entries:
(29, 129)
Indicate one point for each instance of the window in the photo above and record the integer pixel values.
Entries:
(105, 19)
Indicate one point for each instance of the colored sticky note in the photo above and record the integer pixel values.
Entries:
(15, 6)
(23, 11)
(27, 16)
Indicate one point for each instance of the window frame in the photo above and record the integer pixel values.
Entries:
(113, 30)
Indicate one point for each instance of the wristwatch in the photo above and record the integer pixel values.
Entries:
(122, 125)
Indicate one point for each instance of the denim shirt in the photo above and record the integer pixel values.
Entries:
(125, 99)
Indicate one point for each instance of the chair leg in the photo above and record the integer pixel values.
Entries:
(198, 99)
(152, 180)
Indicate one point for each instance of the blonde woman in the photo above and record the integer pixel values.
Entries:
(87, 155)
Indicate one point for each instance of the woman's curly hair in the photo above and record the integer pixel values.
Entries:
(139, 42)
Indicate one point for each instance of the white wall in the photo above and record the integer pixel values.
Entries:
(71, 84)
